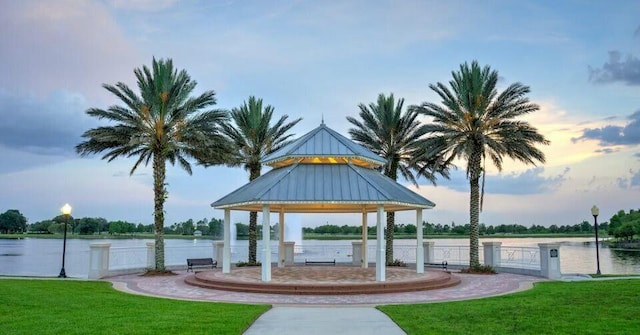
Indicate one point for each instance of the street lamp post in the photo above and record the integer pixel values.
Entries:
(595, 212)
(66, 211)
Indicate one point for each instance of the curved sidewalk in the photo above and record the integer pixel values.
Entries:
(471, 287)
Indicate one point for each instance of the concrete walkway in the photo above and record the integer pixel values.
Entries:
(324, 320)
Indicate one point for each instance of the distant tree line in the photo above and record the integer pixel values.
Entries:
(12, 221)
(453, 229)
(625, 226)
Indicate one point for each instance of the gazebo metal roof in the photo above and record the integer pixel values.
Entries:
(323, 172)
(323, 145)
(321, 188)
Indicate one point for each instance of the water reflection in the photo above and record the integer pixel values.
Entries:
(627, 255)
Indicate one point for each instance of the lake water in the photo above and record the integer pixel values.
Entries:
(42, 257)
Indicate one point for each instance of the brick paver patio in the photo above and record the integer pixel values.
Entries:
(471, 287)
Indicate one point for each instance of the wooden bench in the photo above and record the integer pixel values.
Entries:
(199, 262)
(442, 265)
(308, 262)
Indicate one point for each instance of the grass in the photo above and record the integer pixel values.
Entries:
(601, 307)
(91, 307)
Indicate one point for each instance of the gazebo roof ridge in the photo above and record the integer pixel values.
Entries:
(322, 149)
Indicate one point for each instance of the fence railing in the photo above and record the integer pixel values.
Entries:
(520, 257)
(127, 258)
(526, 259)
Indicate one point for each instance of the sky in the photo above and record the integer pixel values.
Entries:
(318, 60)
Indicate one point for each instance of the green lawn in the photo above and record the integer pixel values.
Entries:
(90, 307)
(589, 307)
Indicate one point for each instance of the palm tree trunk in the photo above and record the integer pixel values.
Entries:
(158, 210)
(391, 171)
(474, 209)
(391, 224)
(253, 236)
(254, 173)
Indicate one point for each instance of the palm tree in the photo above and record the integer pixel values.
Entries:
(394, 135)
(161, 124)
(475, 122)
(254, 138)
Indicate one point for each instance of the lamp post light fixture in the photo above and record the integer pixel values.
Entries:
(66, 211)
(595, 212)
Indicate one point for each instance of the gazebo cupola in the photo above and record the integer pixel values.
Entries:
(323, 172)
(323, 145)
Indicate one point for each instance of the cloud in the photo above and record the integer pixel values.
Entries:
(617, 69)
(629, 182)
(530, 181)
(47, 126)
(73, 45)
(607, 150)
(615, 135)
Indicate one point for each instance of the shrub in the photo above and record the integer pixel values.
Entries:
(243, 264)
(479, 269)
(397, 262)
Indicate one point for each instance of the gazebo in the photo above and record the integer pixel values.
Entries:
(322, 172)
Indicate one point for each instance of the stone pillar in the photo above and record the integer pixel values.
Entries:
(151, 255)
(419, 242)
(356, 253)
(492, 253)
(266, 244)
(550, 260)
(429, 255)
(218, 252)
(380, 247)
(289, 248)
(99, 260)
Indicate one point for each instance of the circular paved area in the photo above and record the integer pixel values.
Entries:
(471, 287)
(315, 280)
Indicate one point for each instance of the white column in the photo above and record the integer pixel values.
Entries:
(98, 260)
(380, 244)
(356, 253)
(226, 250)
(365, 263)
(281, 251)
(218, 252)
(151, 255)
(429, 249)
(550, 260)
(266, 245)
(289, 254)
(419, 248)
(492, 253)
